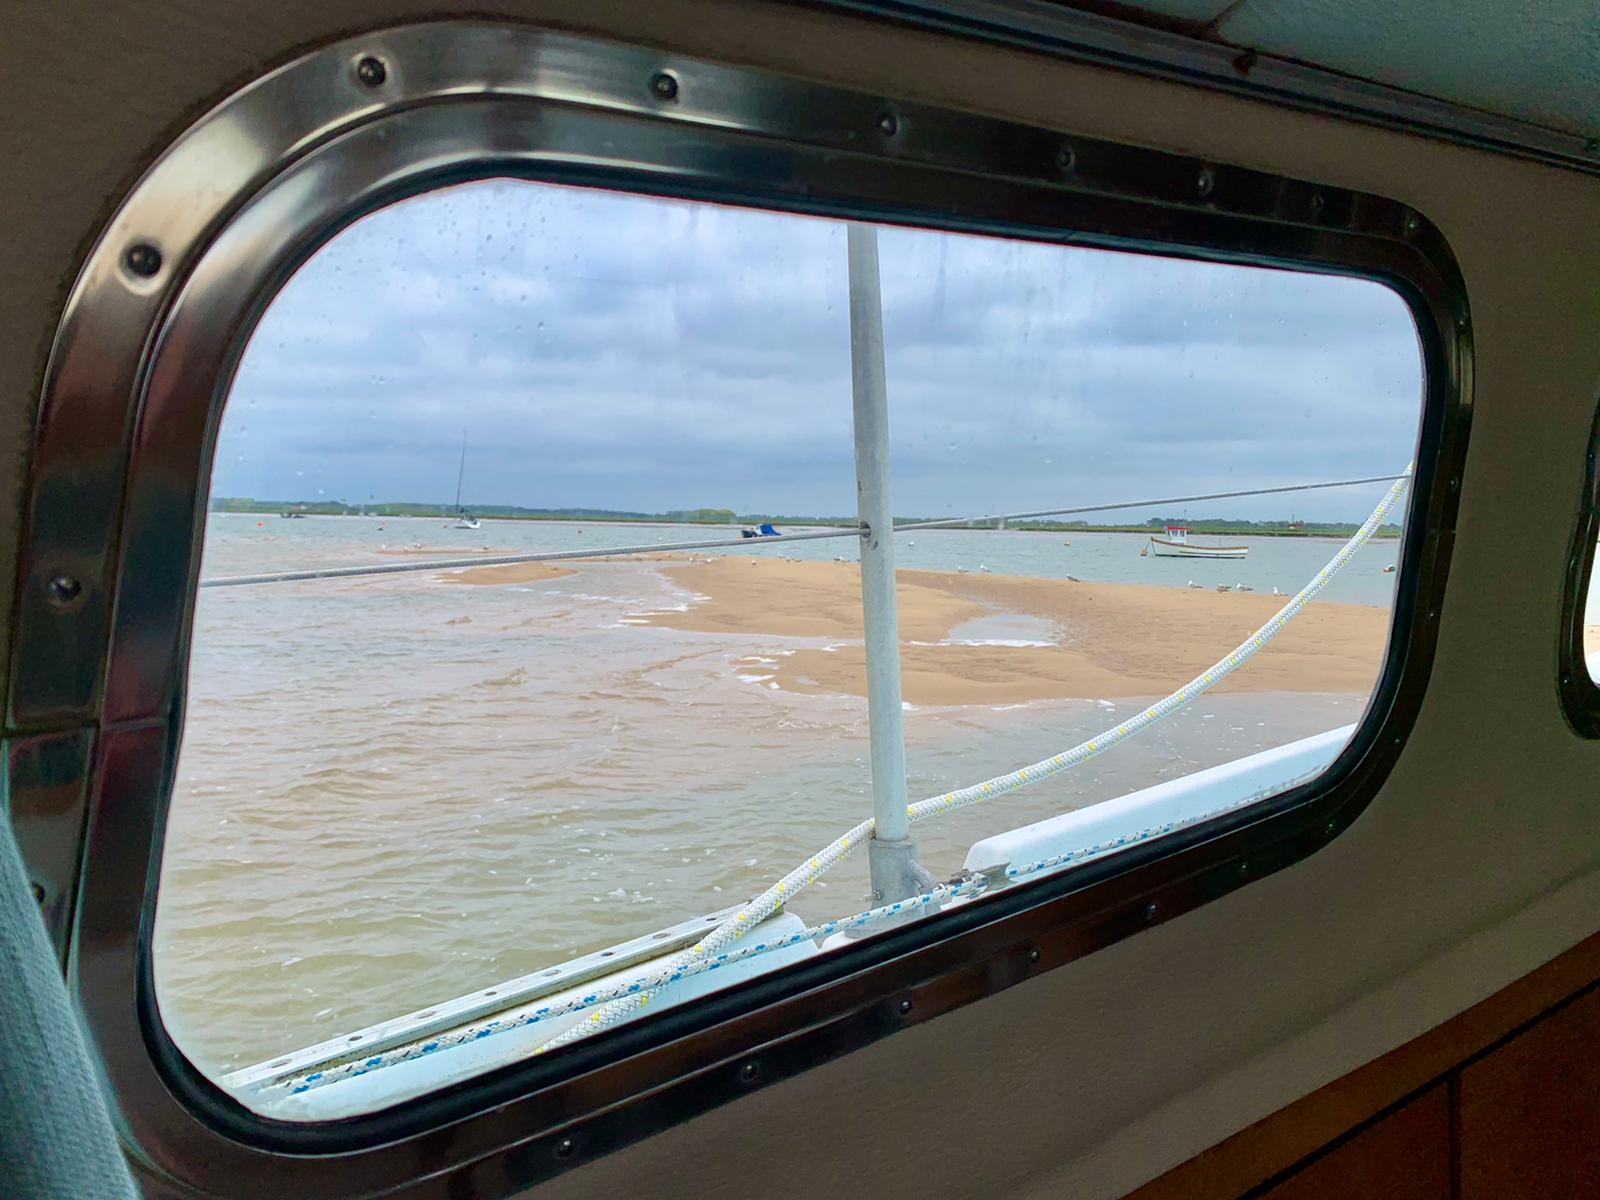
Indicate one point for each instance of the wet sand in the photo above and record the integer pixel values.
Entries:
(532, 572)
(1111, 640)
(808, 599)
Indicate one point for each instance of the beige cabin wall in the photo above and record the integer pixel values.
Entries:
(1477, 862)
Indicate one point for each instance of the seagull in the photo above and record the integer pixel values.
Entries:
(984, 569)
(961, 570)
(910, 543)
(1239, 587)
(1222, 587)
(1193, 584)
(1276, 592)
(1073, 579)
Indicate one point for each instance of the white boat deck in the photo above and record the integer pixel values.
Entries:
(262, 1087)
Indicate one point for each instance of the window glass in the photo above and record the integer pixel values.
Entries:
(1591, 621)
(408, 795)
(1580, 657)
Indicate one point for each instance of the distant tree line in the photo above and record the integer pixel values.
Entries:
(515, 512)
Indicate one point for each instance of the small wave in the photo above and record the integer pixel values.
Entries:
(1020, 643)
(1016, 643)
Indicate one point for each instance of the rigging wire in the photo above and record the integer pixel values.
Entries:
(947, 522)
(752, 543)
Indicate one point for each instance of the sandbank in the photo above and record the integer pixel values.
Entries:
(1111, 640)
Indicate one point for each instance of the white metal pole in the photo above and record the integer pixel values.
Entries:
(891, 854)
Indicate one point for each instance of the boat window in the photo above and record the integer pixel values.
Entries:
(1580, 644)
(1591, 621)
(609, 600)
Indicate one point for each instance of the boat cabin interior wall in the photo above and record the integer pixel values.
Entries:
(1476, 863)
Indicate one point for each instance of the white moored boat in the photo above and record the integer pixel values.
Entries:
(1176, 544)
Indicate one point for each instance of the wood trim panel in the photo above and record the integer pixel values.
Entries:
(1271, 1147)
(1529, 1113)
(1403, 1156)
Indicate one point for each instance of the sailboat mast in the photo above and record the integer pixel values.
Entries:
(462, 473)
(891, 854)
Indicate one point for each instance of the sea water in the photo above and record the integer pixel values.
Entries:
(397, 789)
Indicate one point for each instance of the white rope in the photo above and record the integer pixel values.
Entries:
(1200, 684)
(814, 868)
(621, 1001)
(971, 885)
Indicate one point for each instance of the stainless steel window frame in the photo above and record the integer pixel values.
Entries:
(1576, 685)
(144, 356)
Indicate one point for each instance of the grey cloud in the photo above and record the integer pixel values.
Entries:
(640, 354)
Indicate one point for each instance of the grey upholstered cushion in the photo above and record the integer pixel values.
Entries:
(56, 1139)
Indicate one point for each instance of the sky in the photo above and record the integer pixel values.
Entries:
(593, 349)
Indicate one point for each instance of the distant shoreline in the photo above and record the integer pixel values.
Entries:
(1200, 526)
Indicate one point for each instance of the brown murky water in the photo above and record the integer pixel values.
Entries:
(396, 790)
